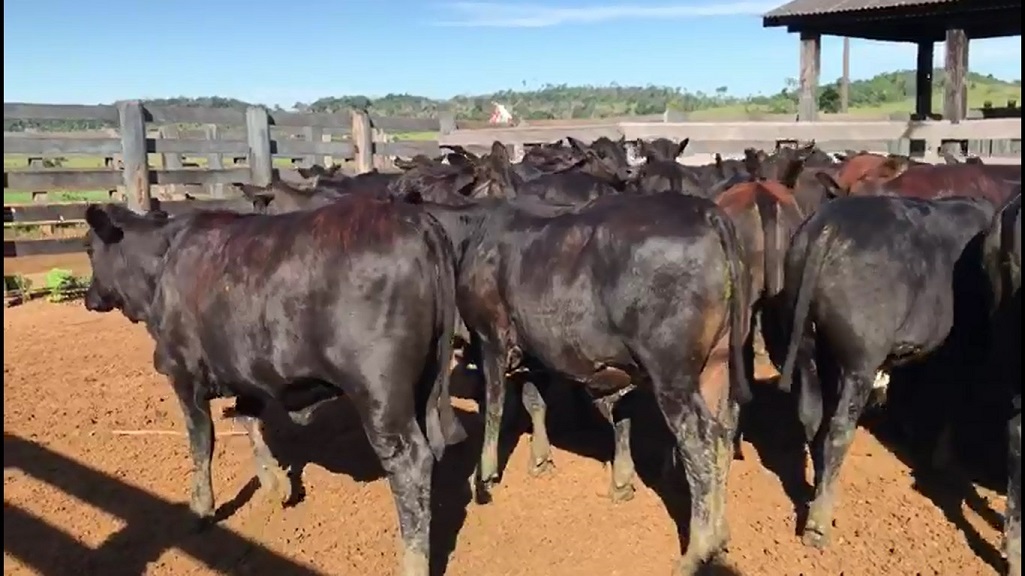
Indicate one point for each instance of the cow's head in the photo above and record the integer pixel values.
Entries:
(126, 253)
(611, 150)
(609, 169)
(661, 149)
(494, 177)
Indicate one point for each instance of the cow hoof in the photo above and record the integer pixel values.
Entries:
(687, 566)
(814, 538)
(277, 485)
(480, 491)
(543, 468)
(202, 524)
(619, 494)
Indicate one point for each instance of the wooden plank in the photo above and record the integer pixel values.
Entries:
(258, 136)
(343, 150)
(214, 160)
(100, 179)
(395, 125)
(408, 148)
(15, 248)
(44, 146)
(170, 160)
(529, 134)
(136, 163)
(818, 131)
(29, 213)
(26, 111)
(956, 68)
(362, 139)
(90, 179)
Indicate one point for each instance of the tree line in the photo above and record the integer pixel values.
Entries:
(579, 102)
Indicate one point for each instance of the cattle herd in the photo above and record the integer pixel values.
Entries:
(660, 279)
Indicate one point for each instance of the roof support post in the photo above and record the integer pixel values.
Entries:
(923, 80)
(955, 96)
(811, 64)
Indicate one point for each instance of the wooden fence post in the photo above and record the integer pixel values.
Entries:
(169, 161)
(132, 119)
(312, 134)
(362, 139)
(261, 165)
(214, 161)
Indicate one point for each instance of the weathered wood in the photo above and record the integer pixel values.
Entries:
(195, 115)
(261, 163)
(45, 146)
(29, 213)
(214, 161)
(811, 64)
(24, 111)
(407, 148)
(955, 106)
(362, 139)
(133, 150)
(100, 179)
(845, 79)
(15, 248)
(923, 80)
(169, 160)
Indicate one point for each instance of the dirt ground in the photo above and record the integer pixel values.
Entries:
(82, 497)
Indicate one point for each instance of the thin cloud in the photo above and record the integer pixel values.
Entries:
(984, 51)
(508, 15)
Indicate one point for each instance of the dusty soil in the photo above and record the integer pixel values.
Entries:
(80, 498)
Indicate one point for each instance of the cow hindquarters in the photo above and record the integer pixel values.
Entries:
(200, 428)
(1012, 520)
(830, 447)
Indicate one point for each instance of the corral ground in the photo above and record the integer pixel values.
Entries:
(82, 498)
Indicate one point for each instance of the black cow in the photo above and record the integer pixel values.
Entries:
(354, 298)
(1002, 257)
(870, 284)
(647, 291)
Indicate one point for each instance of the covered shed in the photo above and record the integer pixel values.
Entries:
(923, 22)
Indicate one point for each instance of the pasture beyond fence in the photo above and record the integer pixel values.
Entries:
(254, 138)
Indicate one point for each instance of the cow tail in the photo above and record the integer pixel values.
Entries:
(810, 395)
(739, 296)
(769, 213)
(442, 427)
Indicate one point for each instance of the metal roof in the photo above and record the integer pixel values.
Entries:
(814, 7)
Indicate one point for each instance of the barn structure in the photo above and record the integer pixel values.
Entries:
(923, 22)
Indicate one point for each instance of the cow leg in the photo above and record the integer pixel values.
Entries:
(272, 477)
(540, 448)
(200, 428)
(408, 461)
(1012, 518)
(829, 451)
(494, 403)
(704, 446)
(621, 488)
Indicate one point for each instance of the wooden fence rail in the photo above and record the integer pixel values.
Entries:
(255, 136)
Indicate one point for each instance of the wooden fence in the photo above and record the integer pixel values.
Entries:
(349, 136)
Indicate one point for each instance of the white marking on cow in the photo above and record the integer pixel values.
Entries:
(882, 380)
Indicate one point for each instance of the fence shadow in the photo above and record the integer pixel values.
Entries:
(152, 525)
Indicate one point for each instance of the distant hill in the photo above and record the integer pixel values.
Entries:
(890, 91)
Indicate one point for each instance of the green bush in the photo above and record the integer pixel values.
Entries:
(63, 285)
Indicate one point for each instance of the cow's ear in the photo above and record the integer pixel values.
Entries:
(103, 225)
(681, 147)
(833, 189)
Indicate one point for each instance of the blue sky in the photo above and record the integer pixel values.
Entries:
(86, 51)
